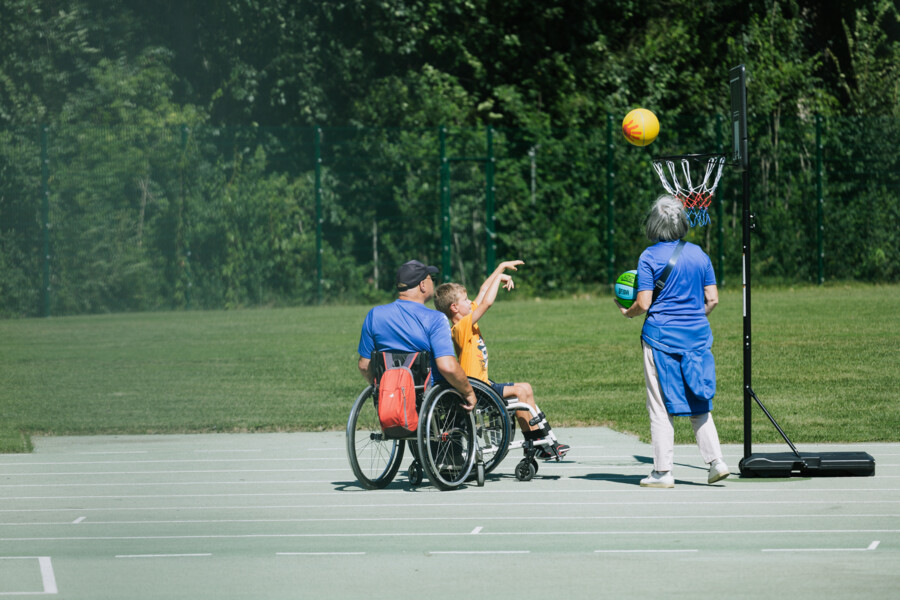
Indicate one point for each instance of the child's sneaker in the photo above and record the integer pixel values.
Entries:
(556, 451)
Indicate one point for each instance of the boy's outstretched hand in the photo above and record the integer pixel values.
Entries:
(507, 282)
(510, 264)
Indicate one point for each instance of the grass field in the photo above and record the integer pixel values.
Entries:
(825, 362)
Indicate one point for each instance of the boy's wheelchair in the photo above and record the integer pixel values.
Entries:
(450, 445)
(496, 426)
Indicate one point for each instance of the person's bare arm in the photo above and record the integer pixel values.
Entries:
(641, 304)
(509, 264)
(454, 374)
(488, 300)
(711, 298)
(364, 369)
(488, 292)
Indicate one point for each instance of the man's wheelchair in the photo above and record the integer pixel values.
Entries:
(451, 445)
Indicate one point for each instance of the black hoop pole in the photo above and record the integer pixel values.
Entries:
(748, 389)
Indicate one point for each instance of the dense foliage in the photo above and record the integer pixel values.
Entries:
(185, 164)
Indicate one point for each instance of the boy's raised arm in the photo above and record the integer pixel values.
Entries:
(488, 292)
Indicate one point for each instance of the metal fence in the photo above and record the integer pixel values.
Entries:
(114, 219)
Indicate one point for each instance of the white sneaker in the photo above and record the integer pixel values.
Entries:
(718, 471)
(659, 480)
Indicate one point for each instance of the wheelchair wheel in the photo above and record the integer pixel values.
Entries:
(525, 470)
(374, 459)
(415, 473)
(492, 424)
(446, 438)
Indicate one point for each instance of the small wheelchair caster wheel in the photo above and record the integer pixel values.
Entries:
(534, 464)
(479, 474)
(525, 470)
(415, 474)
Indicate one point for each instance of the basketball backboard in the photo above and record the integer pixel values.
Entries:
(738, 85)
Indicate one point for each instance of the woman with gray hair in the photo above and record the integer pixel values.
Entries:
(679, 370)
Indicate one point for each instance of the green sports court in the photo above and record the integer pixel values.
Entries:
(281, 516)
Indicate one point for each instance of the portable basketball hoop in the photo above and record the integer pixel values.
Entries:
(694, 197)
(776, 464)
(675, 174)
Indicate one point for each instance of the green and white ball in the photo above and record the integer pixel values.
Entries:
(626, 289)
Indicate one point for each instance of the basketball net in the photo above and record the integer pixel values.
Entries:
(695, 198)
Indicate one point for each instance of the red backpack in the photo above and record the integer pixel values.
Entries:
(397, 397)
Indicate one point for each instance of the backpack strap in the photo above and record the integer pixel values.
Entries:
(410, 359)
(661, 282)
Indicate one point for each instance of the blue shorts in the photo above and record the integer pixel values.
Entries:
(498, 387)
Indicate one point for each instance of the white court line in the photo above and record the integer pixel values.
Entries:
(641, 551)
(161, 555)
(478, 552)
(24, 458)
(653, 532)
(48, 578)
(871, 546)
(165, 472)
(719, 486)
(719, 491)
(226, 451)
(329, 481)
(165, 483)
(112, 453)
(437, 505)
(582, 461)
(406, 518)
(319, 553)
(168, 461)
(582, 464)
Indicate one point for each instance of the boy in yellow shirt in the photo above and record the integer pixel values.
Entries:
(452, 300)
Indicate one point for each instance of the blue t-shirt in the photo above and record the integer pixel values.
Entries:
(682, 298)
(406, 326)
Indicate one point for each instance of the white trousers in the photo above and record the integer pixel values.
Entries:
(662, 424)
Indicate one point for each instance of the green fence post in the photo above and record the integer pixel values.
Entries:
(181, 221)
(720, 225)
(820, 201)
(45, 222)
(445, 208)
(489, 221)
(610, 212)
(318, 149)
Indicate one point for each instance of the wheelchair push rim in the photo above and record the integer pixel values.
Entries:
(446, 438)
(492, 424)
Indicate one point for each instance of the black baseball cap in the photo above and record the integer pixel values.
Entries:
(411, 273)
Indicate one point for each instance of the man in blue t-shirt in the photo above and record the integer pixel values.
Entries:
(407, 325)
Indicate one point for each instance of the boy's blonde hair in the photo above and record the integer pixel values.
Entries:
(445, 295)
